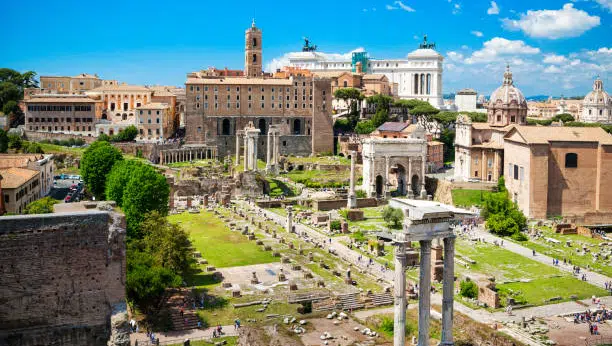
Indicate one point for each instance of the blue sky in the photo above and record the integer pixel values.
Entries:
(554, 47)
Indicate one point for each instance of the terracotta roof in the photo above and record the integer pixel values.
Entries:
(433, 143)
(373, 76)
(18, 160)
(59, 99)
(154, 105)
(545, 135)
(392, 126)
(162, 93)
(86, 75)
(120, 87)
(13, 178)
(330, 74)
(239, 81)
(487, 126)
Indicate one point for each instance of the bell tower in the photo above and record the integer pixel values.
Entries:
(252, 52)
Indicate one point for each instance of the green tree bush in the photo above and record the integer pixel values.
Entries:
(167, 242)
(381, 117)
(31, 148)
(127, 135)
(117, 179)
(41, 206)
(468, 289)
(14, 141)
(365, 127)
(96, 163)
(335, 225)
(565, 117)
(393, 216)
(4, 141)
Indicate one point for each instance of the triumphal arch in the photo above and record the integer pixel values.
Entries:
(395, 165)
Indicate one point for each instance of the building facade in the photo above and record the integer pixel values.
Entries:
(566, 171)
(300, 106)
(597, 105)
(20, 187)
(419, 76)
(479, 147)
(38, 162)
(69, 85)
(62, 113)
(154, 122)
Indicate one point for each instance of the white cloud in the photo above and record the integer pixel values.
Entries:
(553, 24)
(404, 7)
(494, 9)
(456, 8)
(476, 33)
(365, 10)
(464, 47)
(605, 50)
(499, 47)
(607, 4)
(390, 8)
(454, 56)
(283, 60)
(554, 59)
(552, 69)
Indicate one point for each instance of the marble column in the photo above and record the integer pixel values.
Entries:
(268, 152)
(276, 147)
(423, 191)
(424, 292)
(289, 224)
(387, 184)
(372, 178)
(448, 291)
(410, 193)
(237, 148)
(255, 138)
(352, 197)
(244, 156)
(399, 291)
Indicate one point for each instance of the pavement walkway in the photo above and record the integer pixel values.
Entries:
(178, 337)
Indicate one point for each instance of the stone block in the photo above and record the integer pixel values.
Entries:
(355, 215)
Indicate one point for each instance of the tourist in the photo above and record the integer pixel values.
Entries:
(214, 333)
(533, 252)
(182, 312)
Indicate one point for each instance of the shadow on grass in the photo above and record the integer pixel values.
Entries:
(203, 282)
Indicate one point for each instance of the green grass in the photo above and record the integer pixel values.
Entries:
(561, 251)
(468, 198)
(195, 163)
(220, 246)
(324, 160)
(546, 282)
(320, 178)
(230, 341)
(59, 149)
(279, 188)
(226, 314)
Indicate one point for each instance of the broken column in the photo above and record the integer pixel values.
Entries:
(289, 224)
(399, 290)
(352, 196)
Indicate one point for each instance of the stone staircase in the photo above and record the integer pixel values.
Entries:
(348, 302)
(380, 299)
(189, 319)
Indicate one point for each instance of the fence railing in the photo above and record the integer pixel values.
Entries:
(598, 340)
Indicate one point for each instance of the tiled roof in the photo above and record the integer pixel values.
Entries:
(373, 76)
(18, 160)
(544, 135)
(154, 105)
(121, 87)
(239, 81)
(15, 177)
(57, 99)
(392, 126)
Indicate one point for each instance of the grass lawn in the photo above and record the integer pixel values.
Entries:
(220, 246)
(279, 188)
(230, 341)
(194, 163)
(319, 178)
(60, 149)
(561, 251)
(324, 160)
(468, 198)
(544, 282)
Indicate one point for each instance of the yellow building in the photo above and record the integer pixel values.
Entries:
(20, 187)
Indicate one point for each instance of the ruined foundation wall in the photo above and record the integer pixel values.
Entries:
(61, 276)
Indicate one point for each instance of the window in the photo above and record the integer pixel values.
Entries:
(254, 57)
(476, 161)
(516, 172)
(254, 42)
(571, 160)
(225, 127)
(157, 120)
(489, 162)
(476, 174)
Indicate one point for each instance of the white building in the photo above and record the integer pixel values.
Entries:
(418, 76)
(597, 105)
(465, 100)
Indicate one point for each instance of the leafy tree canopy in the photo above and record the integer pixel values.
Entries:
(348, 94)
(4, 141)
(365, 127)
(393, 216)
(127, 135)
(168, 242)
(565, 117)
(41, 206)
(96, 163)
(117, 179)
(380, 117)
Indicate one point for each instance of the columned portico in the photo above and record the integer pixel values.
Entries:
(424, 225)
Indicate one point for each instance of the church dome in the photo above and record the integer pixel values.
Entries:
(598, 96)
(507, 93)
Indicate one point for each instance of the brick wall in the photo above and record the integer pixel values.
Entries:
(61, 276)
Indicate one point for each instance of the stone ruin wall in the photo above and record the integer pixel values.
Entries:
(62, 277)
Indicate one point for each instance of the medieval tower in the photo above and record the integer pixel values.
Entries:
(252, 52)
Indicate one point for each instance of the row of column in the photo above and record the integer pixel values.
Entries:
(424, 291)
(182, 155)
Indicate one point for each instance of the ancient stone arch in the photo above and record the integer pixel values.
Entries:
(394, 164)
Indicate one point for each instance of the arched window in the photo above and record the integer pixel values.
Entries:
(571, 160)
(297, 125)
(254, 57)
(225, 127)
(254, 41)
(262, 126)
(345, 84)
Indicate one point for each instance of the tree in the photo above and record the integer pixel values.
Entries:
(393, 216)
(41, 206)
(146, 282)
(103, 137)
(32, 148)
(167, 242)
(127, 135)
(12, 86)
(564, 117)
(14, 141)
(381, 117)
(352, 96)
(382, 102)
(501, 184)
(447, 137)
(468, 289)
(118, 178)
(96, 163)
(11, 107)
(4, 141)
(146, 191)
(502, 225)
(365, 127)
